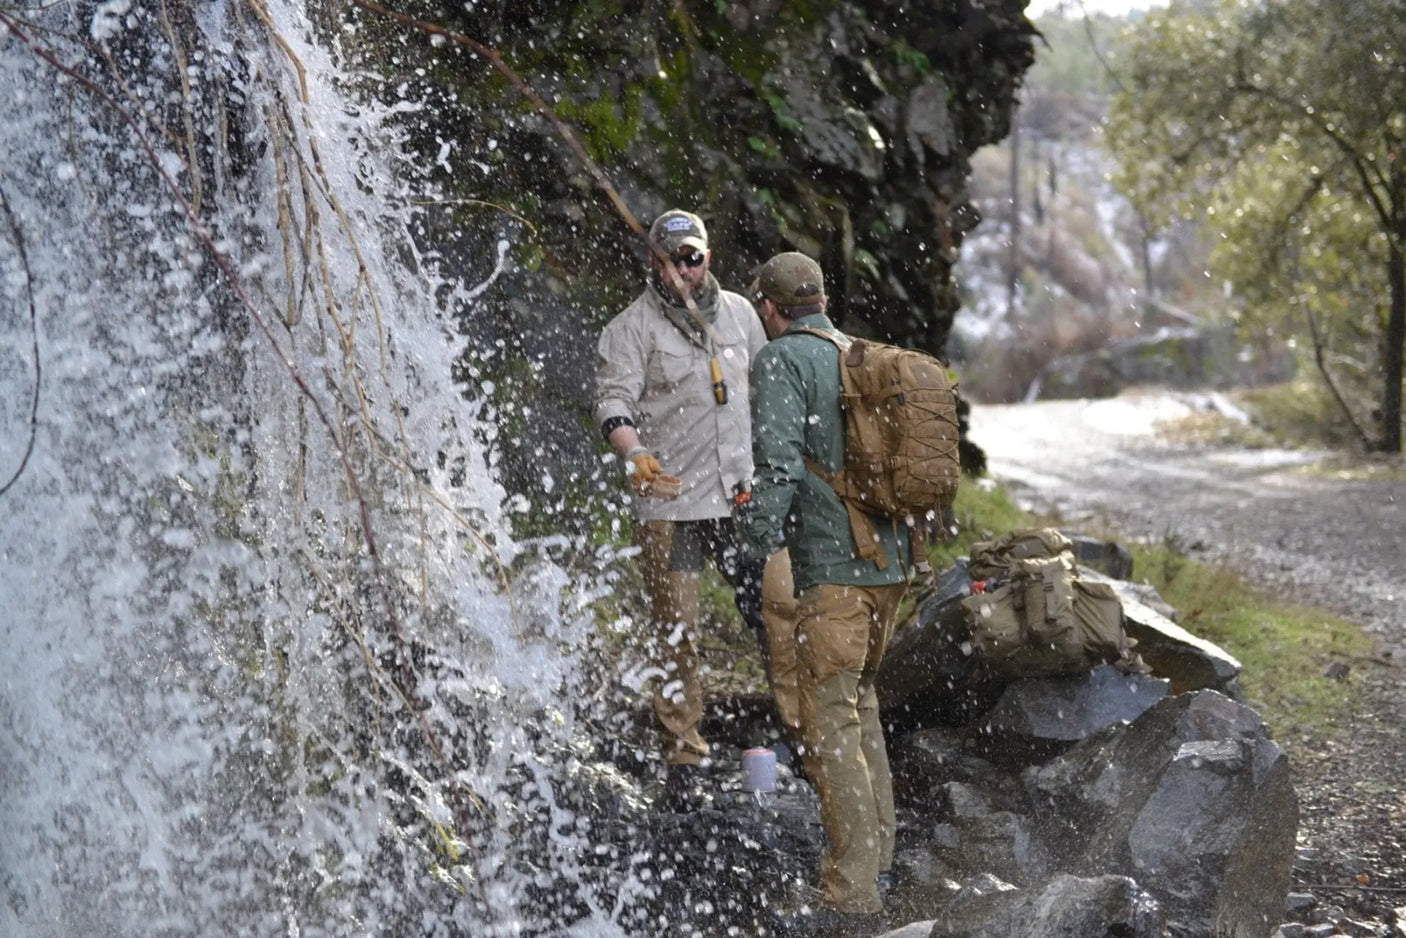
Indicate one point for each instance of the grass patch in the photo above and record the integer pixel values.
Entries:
(983, 510)
(1299, 413)
(1212, 427)
(1283, 647)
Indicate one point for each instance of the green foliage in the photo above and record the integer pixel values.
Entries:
(1278, 126)
(1283, 648)
(906, 55)
(1299, 413)
(779, 112)
(1078, 55)
(608, 127)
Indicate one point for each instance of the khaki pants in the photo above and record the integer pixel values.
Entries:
(842, 633)
(671, 555)
(779, 609)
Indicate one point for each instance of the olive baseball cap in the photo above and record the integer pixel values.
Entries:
(789, 279)
(677, 229)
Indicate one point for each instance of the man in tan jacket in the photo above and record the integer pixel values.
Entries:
(672, 399)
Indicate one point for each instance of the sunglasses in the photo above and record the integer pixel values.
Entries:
(691, 259)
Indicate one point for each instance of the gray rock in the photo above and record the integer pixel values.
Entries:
(966, 801)
(927, 763)
(1147, 594)
(1065, 906)
(1068, 709)
(925, 678)
(911, 930)
(930, 124)
(1107, 557)
(1194, 799)
(999, 843)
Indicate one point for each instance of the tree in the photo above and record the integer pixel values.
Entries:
(1281, 124)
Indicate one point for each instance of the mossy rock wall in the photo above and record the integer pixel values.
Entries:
(842, 129)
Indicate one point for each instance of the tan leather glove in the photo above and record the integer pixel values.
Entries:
(646, 468)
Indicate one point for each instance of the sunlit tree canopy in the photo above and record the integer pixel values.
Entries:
(1280, 125)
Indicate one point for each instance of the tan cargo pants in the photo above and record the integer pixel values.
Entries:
(842, 633)
(671, 571)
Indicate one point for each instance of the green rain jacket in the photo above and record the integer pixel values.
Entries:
(796, 414)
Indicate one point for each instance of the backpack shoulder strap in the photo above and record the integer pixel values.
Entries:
(841, 342)
(866, 535)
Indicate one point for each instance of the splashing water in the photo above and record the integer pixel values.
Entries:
(262, 670)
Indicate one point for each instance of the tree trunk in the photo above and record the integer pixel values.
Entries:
(1395, 337)
(1013, 273)
(1392, 360)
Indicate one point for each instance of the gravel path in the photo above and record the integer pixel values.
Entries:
(1294, 522)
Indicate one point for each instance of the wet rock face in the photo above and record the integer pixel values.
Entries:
(838, 128)
(1066, 905)
(1180, 822)
(1095, 803)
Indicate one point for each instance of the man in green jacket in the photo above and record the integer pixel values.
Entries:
(847, 603)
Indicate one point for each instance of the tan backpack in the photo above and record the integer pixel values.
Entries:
(901, 457)
(1031, 615)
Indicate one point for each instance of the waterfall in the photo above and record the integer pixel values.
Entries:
(270, 661)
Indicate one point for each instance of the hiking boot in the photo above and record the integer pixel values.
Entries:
(788, 756)
(683, 789)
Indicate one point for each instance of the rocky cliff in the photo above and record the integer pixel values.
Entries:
(842, 129)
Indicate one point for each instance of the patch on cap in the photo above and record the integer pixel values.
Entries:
(790, 279)
(677, 229)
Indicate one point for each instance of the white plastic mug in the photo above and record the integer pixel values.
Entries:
(758, 770)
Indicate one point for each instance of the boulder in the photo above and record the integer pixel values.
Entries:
(1193, 799)
(927, 678)
(1045, 715)
(1107, 557)
(1063, 907)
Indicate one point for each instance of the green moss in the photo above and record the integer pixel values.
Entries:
(606, 127)
(766, 148)
(781, 113)
(907, 56)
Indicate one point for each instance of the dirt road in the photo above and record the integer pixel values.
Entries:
(1325, 535)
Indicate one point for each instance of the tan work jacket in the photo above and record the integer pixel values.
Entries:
(653, 369)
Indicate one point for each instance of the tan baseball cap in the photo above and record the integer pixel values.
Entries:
(790, 279)
(677, 229)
